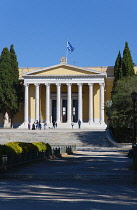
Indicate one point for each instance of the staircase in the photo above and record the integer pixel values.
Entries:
(78, 137)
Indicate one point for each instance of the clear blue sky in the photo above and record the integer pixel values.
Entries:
(97, 29)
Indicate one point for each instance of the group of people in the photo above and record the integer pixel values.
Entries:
(37, 125)
(79, 124)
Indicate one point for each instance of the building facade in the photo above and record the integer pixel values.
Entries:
(64, 93)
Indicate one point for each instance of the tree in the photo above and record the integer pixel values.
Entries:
(121, 109)
(14, 65)
(10, 89)
(6, 93)
(18, 87)
(117, 71)
(124, 67)
(118, 68)
(127, 62)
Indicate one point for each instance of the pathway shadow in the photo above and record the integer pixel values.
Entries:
(66, 195)
(94, 138)
(89, 163)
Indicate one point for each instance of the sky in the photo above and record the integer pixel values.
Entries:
(97, 29)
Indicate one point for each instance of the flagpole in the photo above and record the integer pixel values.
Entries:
(67, 52)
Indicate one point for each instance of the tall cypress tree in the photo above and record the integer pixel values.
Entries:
(6, 88)
(11, 94)
(18, 88)
(14, 65)
(127, 62)
(117, 72)
(118, 67)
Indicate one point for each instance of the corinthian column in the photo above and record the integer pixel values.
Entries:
(58, 101)
(102, 102)
(80, 102)
(26, 103)
(69, 111)
(90, 102)
(47, 103)
(37, 102)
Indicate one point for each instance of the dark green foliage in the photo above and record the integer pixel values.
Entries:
(14, 65)
(18, 87)
(11, 90)
(4, 150)
(124, 84)
(28, 147)
(121, 109)
(124, 67)
(22, 147)
(118, 68)
(117, 71)
(6, 88)
(127, 62)
(42, 146)
(15, 147)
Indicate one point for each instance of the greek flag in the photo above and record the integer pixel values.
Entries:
(70, 48)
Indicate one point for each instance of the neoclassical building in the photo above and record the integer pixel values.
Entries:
(65, 93)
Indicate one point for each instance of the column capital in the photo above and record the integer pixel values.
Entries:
(47, 84)
(58, 84)
(26, 84)
(79, 84)
(68, 84)
(90, 84)
(36, 84)
(102, 84)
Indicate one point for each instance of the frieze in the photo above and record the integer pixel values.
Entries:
(65, 77)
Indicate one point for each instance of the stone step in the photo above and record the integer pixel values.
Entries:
(57, 137)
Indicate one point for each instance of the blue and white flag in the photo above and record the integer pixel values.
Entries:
(70, 48)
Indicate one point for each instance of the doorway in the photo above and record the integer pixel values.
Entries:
(64, 111)
(75, 110)
(54, 105)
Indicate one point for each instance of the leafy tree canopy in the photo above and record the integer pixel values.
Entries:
(11, 91)
(120, 110)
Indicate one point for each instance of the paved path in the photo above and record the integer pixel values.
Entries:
(101, 165)
(72, 182)
(97, 176)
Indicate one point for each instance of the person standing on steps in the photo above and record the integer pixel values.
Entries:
(33, 126)
(72, 124)
(45, 125)
(79, 123)
(29, 126)
(54, 124)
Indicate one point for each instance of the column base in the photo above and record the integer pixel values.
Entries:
(91, 122)
(23, 125)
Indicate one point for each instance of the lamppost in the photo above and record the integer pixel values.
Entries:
(134, 99)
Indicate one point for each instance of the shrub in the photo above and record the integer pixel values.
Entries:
(42, 146)
(15, 146)
(28, 147)
(22, 147)
(4, 150)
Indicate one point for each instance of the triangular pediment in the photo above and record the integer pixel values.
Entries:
(62, 69)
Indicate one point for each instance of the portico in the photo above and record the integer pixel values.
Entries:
(64, 97)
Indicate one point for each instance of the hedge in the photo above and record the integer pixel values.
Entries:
(42, 146)
(21, 147)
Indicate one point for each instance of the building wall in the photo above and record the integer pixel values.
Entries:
(19, 117)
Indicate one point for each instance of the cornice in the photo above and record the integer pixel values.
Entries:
(64, 76)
